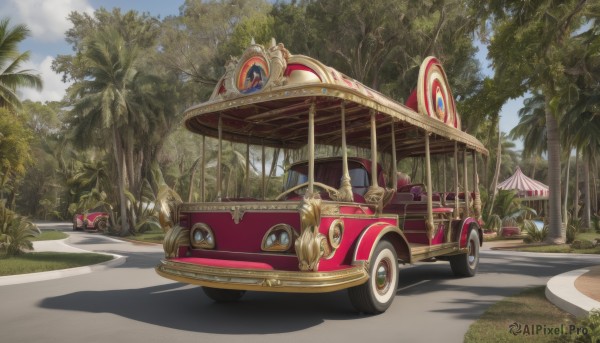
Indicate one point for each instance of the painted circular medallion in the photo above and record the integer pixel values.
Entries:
(434, 94)
(253, 75)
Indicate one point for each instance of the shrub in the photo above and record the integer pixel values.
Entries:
(494, 223)
(535, 235)
(591, 324)
(596, 223)
(571, 233)
(583, 244)
(15, 232)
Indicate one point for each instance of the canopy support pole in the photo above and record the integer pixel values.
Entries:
(247, 183)
(394, 161)
(456, 207)
(430, 226)
(219, 156)
(264, 171)
(466, 186)
(203, 170)
(345, 183)
(311, 149)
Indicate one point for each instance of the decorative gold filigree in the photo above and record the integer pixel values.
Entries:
(270, 283)
(378, 196)
(311, 245)
(175, 237)
(278, 56)
(237, 214)
(345, 191)
(477, 206)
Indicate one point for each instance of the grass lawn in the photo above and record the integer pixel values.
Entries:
(527, 308)
(46, 261)
(50, 235)
(590, 236)
(563, 248)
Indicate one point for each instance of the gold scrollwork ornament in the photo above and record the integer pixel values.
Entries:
(175, 237)
(311, 245)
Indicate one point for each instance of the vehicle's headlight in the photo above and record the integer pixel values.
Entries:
(278, 238)
(336, 233)
(202, 236)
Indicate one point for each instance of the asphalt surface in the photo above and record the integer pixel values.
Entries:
(130, 303)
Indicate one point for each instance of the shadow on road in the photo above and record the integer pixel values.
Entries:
(187, 308)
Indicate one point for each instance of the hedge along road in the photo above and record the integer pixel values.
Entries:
(131, 303)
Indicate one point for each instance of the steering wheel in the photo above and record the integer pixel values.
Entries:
(323, 186)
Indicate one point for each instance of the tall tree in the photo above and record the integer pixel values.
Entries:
(111, 99)
(528, 47)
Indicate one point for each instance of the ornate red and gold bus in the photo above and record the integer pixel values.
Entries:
(340, 222)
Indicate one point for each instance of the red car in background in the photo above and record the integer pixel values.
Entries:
(94, 220)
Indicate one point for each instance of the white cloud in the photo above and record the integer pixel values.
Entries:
(47, 19)
(54, 89)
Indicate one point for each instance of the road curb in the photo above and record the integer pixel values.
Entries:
(61, 273)
(561, 291)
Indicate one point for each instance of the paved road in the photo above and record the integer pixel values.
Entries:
(130, 303)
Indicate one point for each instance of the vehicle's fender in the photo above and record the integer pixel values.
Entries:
(369, 238)
(100, 216)
(466, 226)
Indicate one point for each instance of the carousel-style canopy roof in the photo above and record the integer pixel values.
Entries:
(265, 95)
(526, 187)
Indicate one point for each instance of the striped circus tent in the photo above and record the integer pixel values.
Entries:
(526, 187)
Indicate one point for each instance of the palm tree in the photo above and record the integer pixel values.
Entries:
(532, 126)
(11, 77)
(110, 104)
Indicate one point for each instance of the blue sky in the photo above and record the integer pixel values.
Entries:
(47, 20)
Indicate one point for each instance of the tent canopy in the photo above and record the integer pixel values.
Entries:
(526, 187)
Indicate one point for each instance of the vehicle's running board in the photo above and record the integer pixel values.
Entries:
(422, 251)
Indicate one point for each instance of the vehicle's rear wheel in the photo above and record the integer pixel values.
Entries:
(465, 265)
(376, 295)
(101, 225)
(223, 295)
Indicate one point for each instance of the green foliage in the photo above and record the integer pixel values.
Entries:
(15, 152)
(596, 223)
(574, 226)
(16, 232)
(591, 324)
(534, 235)
(494, 223)
(582, 244)
(11, 78)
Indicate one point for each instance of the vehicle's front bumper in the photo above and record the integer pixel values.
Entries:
(262, 280)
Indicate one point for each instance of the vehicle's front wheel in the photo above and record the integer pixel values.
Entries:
(376, 295)
(223, 295)
(465, 265)
(101, 225)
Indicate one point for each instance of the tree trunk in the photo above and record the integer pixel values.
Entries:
(586, 187)
(556, 234)
(565, 210)
(496, 172)
(120, 159)
(576, 196)
(192, 177)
